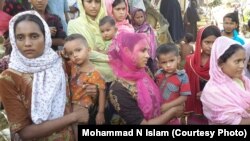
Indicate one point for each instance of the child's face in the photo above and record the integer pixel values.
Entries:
(234, 65)
(139, 18)
(229, 25)
(120, 12)
(77, 52)
(169, 62)
(108, 31)
(207, 43)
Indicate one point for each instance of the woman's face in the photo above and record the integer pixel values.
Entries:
(119, 12)
(29, 39)
(92, 7)
(206, 44)
(139, 18)
(234, 65)
(39, 5)
(140, 51)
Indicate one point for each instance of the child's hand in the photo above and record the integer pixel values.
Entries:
(90, 89)
(100, 118)
(198, 95)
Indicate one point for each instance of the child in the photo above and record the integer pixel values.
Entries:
(83, 72)
(186, 48)
(108, 31)
(141, 26)
(173, 83)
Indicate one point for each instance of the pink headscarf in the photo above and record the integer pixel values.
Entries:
(123, 62)
(4, 22)
(123, 25)
(223, 101)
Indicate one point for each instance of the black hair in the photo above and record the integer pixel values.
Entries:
(116, 2)
(234, 17)
(167, 48)
(107, 19)
(210, 30)
(248, 23)
(75, 37)
(189, 37)
(229, 52)
(32, 18)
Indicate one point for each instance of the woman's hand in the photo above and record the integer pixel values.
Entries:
(81, 114)
(100, 118)
(165, 107)
(178, 110)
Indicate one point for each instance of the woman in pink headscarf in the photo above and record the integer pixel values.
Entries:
(226, 98)
(134, 95)
(118, 9)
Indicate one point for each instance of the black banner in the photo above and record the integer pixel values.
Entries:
(168, 131)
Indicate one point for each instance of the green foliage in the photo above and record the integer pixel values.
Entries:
(215, 3)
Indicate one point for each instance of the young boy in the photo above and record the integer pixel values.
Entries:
(186, 48)
(108, 31)
(173, 83)
(83, 73)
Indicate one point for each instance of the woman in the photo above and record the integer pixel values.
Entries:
(134, 95)
(87, 24)
(171, 10)
(226, 98)
(191, 18)
(33, 90)
(54, 22)
(118, 9)
(197, 67)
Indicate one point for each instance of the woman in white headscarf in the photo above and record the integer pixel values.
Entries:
(33, 90)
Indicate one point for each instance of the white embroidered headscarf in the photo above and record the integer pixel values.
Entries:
(49, 83)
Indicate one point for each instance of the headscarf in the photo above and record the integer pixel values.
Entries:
(4, 22)
(145, 28)
(195, 72)
(247, 72)
(89, 28)
(123, 25)
(49, 82)
(223, 101)
(86, 26)
(123, 63)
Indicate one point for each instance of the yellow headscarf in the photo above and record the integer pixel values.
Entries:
(89, 28)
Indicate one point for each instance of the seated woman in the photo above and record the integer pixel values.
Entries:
(226, 98)
(33, 89)
(134, 95)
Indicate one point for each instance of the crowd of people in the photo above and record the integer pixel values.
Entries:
(105, 65)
